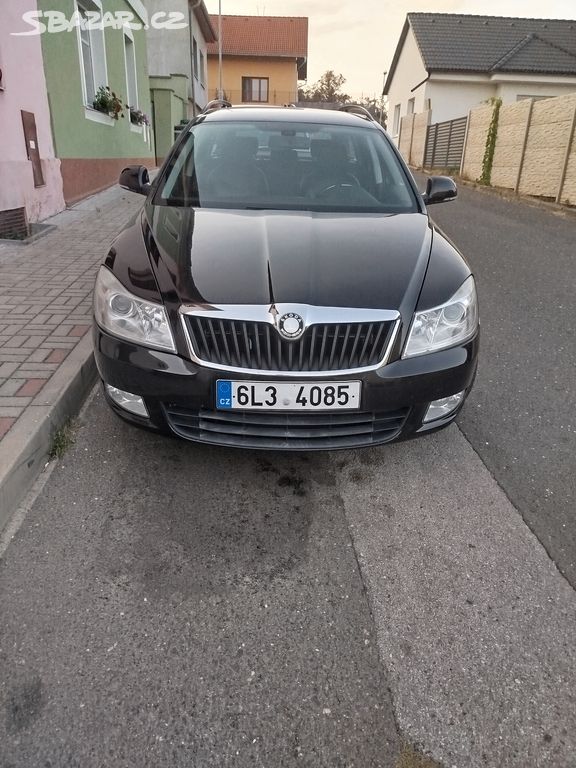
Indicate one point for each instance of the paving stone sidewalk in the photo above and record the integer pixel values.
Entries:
(46, 363)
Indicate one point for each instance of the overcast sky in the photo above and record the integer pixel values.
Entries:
(358, 37)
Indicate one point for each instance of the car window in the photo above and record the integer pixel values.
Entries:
(285, 166)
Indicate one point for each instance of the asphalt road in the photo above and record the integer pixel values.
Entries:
(521, 416)
(166, 604)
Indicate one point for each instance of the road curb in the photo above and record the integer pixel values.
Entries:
(24, 450)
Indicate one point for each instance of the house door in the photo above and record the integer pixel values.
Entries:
(31, 138)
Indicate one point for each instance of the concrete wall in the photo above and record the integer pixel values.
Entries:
(568, 194)
(512, 130)
(421, 123)
(535, 151)
(170, 100)
(478, 125)
(281, 72)
(550, 129)
(24, 88)
(412, 138)
(404, 136)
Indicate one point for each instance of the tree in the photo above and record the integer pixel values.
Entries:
(326, 89)
(375, 107)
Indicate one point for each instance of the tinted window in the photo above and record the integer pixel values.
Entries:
(286, 166)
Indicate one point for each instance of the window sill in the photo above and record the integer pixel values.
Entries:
(136, 128)
(98, 117)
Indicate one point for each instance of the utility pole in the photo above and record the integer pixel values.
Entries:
(220, 91)
(383, 97)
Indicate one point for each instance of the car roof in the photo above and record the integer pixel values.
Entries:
(286, 114)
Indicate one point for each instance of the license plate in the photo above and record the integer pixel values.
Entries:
(287, 395)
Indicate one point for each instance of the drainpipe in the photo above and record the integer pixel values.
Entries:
(192, 63)
(419, 84)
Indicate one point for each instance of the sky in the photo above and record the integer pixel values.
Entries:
(357, 38)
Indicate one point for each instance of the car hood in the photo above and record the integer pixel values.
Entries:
(213, 257)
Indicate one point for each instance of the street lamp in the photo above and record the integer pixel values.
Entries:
(383, 97)
(220, 91)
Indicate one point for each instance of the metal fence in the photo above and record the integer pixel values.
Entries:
(266, 97)
(445, 144)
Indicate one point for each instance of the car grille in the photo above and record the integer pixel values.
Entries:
(286, 431)
(258, 346)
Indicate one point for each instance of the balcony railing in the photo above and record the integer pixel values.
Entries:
(275, 97)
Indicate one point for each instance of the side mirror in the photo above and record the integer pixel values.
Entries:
(135, 178)
(439, 189)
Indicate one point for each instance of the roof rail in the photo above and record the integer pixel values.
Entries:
(216, 104)
(357, 109)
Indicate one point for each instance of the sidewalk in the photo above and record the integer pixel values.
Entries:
(46, 363)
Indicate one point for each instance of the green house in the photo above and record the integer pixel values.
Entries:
(95, 60)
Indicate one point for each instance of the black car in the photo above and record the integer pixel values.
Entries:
(284, 288)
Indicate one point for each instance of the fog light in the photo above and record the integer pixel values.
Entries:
(443, 407)
(128, 401)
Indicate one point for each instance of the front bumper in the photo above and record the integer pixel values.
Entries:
(180, 398)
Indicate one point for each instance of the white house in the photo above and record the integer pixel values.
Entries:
(449, 63)
(182, 52)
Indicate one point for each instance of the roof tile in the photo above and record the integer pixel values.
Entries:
(455, 42)
(262, 36)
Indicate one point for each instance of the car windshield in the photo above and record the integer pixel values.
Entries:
(285, 165)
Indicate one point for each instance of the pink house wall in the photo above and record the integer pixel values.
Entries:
(24, 88)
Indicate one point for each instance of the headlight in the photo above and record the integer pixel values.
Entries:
(446, 325)
(122, 314)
